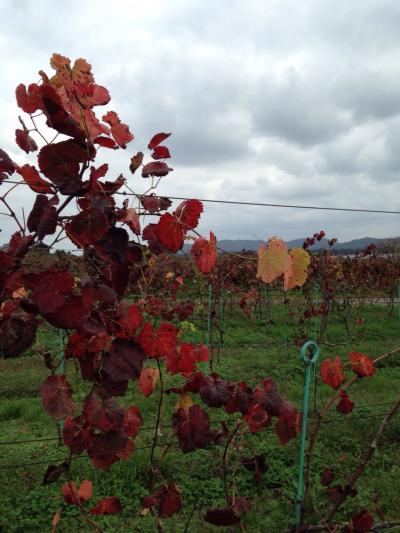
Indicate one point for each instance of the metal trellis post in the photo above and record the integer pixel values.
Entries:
(309, 364)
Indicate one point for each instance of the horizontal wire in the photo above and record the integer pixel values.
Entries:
(167, 426)
(260, 204)
(58, 460)
(12, 442)
(74, 457)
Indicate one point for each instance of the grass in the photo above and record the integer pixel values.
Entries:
(246, 353)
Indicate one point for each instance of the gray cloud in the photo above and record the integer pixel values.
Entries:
(279, 101)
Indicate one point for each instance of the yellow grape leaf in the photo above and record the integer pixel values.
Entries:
(272, 260)
(296, 268)
(185, 402)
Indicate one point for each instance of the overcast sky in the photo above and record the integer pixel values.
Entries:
(268, 101)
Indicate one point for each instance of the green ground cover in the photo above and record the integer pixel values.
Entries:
(245, 353)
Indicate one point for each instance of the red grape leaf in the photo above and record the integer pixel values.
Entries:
(6, 165)
(58, 117)
(25, 141)
(125, 360)
(136, 161)
(147, 380)
(257, 418)
(361, 364)
(72, 314)
(192, 428)
(55, 521)
(130, 216)
(119, 131)
(214, 391)
(28, 100)
(182, 360)
(129, 322)
(56, 395)
(169, 232)
(159, 342)
(43, 217)
(74, 496)
(17, 333)
(160, 152)
(362, 521)
(188, 213)
(107, 505)
(50, 288)
(156, 168)
(60, 162)
(32, 178)
(166, 498)
(153, 203)
(288, 423)
(157, 139)
(106, 142)
(332, 372)
(75, 435)
(106, 415)
(105, 447)
(88, 227)
(205, 253)
(132, 421)
(345, 405)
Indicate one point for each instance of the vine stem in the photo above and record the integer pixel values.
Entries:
(225, 461)
(12, 214)
(82, 509)
(321, 415)
(154, 444)
(367, 457)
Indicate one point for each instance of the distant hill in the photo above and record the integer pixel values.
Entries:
(237, 245)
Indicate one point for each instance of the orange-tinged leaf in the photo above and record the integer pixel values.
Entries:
(296, 268)
(85, 490)
(74, 496)
(361, 364)
(32, 178)
(130, 216)
(205, 253)
(55, 521)
(108, 505)
(148, 379)
(332, 372)
(272, 260)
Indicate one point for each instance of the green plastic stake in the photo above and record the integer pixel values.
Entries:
(309, 364)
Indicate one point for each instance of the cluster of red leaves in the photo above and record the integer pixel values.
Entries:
(257, 408)
(333, 375)
(362, 521)
(78, 496)
(112, 342)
